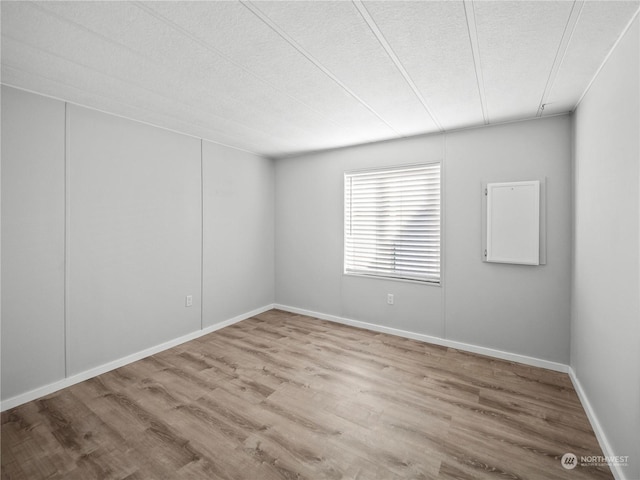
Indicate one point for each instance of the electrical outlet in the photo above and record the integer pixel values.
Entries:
(188, 301)
(389, 298)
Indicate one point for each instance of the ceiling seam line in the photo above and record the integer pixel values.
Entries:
(475, 52)
(131, 119)
(143, 122)
(46, 11)
(606, 58)
(125, 47)
(563, 47)
(271, 24)
(136, 85)
(214, 50)
(117, 44)
(184, 122)
(373, 26)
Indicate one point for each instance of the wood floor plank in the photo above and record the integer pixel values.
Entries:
(287, 396)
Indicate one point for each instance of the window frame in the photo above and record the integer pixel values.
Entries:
(390, 168)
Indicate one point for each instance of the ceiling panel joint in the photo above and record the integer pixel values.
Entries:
(572, 21)
(271, 24)
(470, 15)
(218, 52)
(392, 55)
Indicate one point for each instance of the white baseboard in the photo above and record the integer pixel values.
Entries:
(93, 372)
(490, 352)
(607, 451)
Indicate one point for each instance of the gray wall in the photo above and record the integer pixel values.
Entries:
(606, 288)
(238, 273)
(518, 309)
(309, 238)
(134, 238)
(515, 308)
(32, 241)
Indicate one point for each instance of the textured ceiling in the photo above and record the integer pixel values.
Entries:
(277, 78)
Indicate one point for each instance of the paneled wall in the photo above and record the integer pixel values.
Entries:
(238, 273)
(606, 274)
(309, 233)
(134, 232)
(33, 239)
(103, 238)
(517, 309)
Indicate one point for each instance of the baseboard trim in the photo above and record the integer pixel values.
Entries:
(93, 372)
(617, 471)
(490, 352)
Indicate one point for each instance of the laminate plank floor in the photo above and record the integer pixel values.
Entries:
(284, 396)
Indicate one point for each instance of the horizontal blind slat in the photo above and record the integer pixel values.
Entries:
(392, 222)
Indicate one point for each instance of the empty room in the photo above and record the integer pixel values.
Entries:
(367, 240)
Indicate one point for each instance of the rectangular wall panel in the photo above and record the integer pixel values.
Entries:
(507, 307)
(33, 179)
(238, 265)
(134, 237)
(605, 329)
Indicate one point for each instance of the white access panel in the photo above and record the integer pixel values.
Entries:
(513, 222)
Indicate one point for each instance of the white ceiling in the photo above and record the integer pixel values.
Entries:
(283, 77)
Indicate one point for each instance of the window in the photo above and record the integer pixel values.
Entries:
(392, 223)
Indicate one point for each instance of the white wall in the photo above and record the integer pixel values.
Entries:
(517, 309)
(32, 241)
(605, 353)
(133, 223)
(238, 232)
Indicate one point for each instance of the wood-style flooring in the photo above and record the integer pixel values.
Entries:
(284, 396)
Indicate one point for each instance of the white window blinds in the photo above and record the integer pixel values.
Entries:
(392, 223)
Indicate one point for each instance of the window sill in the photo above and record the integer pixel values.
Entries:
(393, 279)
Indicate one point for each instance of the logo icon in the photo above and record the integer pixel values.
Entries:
(569, 461)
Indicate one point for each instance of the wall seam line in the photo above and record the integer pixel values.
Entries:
(201, 235)
(67, 220)
(443, 235)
